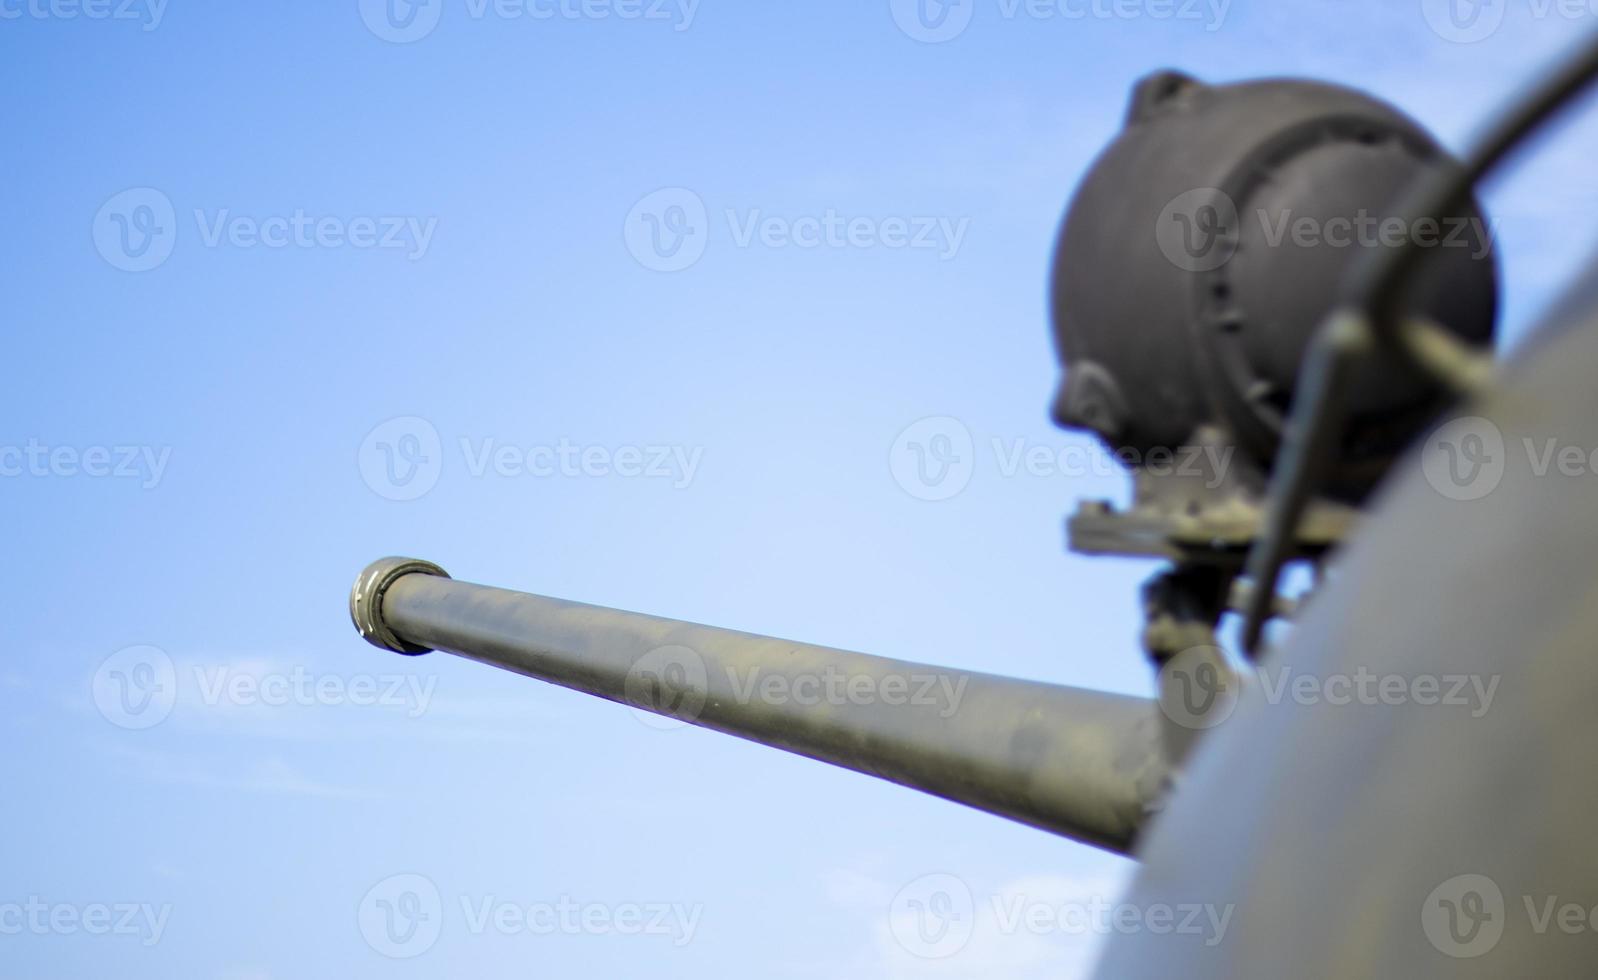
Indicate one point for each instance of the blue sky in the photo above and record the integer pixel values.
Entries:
(243, 242)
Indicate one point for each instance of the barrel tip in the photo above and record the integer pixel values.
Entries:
(366, 600)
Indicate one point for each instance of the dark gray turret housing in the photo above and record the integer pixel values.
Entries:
(1206, 243)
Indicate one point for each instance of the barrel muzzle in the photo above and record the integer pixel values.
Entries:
(366, 601)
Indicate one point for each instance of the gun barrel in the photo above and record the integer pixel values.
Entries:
(1084, 764)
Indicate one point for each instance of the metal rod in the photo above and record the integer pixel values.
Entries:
(1310, 441)
(1084, 764)
(1378, 286)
